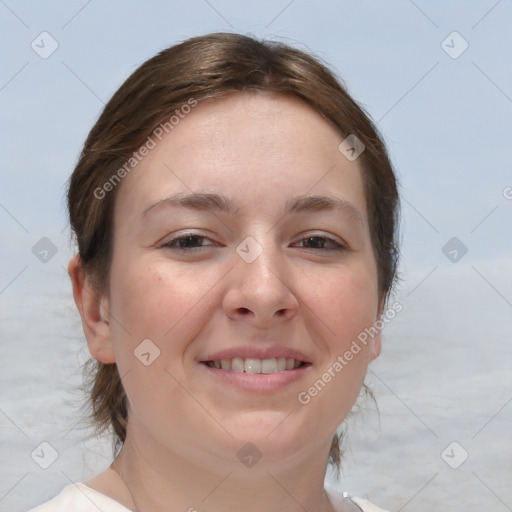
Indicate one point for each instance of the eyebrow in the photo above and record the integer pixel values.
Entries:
(314, 203)
(222, 204)
(197, 201)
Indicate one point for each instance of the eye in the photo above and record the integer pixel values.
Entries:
(320, 242)
(188, 241)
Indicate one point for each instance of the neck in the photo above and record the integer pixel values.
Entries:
(158, 482)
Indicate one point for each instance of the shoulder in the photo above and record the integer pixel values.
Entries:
(365, 505)
(338, 498)
(80, 498)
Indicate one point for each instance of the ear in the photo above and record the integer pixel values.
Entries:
(375, 347)
(94, 309)
(376, 343)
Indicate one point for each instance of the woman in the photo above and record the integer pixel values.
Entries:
(235, 213)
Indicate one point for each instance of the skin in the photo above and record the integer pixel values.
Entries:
(185, 427)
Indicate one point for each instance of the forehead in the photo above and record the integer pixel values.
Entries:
(258, 128)
(255, 147)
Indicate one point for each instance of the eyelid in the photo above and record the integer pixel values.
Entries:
(167, 241)
(328, 236)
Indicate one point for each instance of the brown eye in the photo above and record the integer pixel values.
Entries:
(187, 241)
(320, 242)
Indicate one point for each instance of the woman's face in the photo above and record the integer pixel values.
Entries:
(242, 241)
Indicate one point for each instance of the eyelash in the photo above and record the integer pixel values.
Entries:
(171, 244)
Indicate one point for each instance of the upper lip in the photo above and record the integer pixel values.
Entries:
(257, 353)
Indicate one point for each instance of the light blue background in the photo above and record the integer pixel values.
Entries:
(444, 371)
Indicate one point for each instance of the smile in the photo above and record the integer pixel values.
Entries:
(254, 365)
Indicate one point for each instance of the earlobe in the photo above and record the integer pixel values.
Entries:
(94, 310)
(375, 347)
(376, 344)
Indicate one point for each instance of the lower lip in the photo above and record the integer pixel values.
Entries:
(260, 382)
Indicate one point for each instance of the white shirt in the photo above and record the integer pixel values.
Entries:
(80, 498)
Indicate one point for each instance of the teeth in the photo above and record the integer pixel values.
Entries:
(237, 364)
(269, 365)
(253, 365)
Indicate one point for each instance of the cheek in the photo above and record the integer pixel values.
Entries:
(153, 298)
(345, 307)
(346, 304)
(344, 310)
(165, 304)
(153, 308)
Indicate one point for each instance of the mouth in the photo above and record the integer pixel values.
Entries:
(250, 374)
(255, 365)
(256, 369)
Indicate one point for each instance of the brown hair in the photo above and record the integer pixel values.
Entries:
(212, 66)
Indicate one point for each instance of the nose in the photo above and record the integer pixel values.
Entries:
(260, 291)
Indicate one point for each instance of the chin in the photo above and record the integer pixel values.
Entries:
(273, 436)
